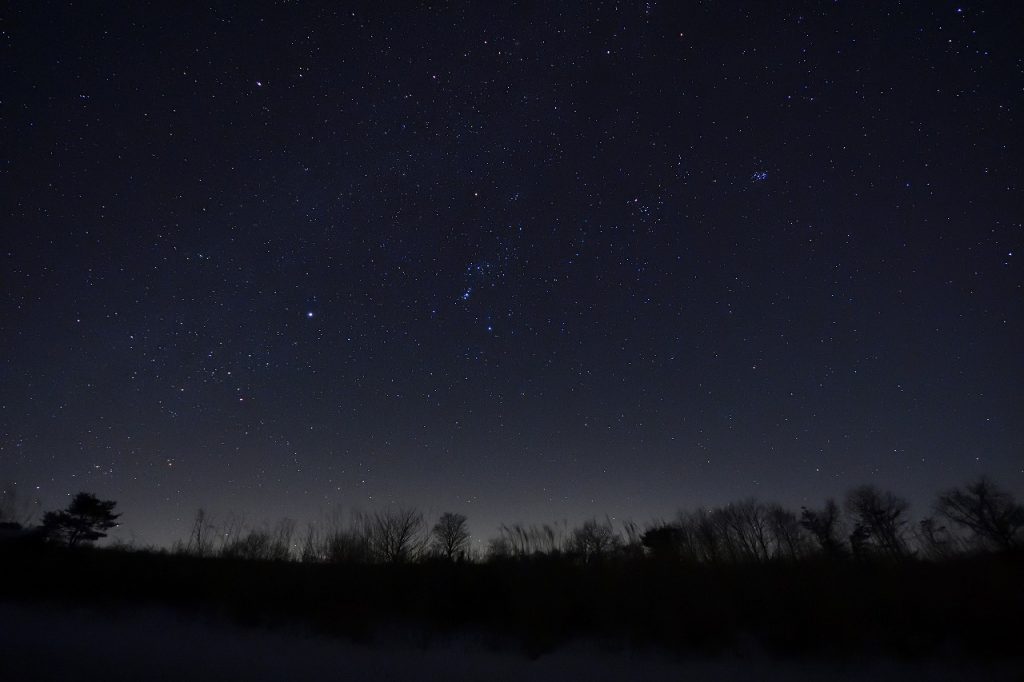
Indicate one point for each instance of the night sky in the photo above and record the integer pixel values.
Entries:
(529, 262)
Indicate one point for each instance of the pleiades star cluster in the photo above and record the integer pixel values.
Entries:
(526, 261)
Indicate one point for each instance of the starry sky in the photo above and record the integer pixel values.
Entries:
(528, 261)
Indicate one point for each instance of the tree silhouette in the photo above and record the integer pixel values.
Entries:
(745, 530)
(451, 535)
(990, 513)
(823, 524)
(397, 535)
(663, 541)
(706, 533)
(85, 520)
(880, 519)
(787, 533)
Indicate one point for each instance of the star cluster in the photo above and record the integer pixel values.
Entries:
(539, 262)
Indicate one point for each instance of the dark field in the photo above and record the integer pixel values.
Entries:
(111, 611)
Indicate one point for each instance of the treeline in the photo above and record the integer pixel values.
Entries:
(849, 576)
(868, 524)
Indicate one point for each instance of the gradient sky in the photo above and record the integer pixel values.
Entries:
(529, 261)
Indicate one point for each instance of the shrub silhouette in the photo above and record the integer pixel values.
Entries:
(935, 542)
(522, 541)
(595, 540)
(263, 544)
(200, 539)
(664, 541)
(85, 520)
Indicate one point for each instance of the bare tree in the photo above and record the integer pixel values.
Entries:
(823, 524)
(991, 514)
(451, 536)
(744, 530)
(397, 535)
(704, 531)
(788, 538)
(880, 520)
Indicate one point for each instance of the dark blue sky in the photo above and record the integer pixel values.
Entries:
(528, 262)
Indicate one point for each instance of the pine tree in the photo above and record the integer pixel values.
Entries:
(85, 520)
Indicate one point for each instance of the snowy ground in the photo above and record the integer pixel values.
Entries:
(38, 643)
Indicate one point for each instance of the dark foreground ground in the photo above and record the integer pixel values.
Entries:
(44, 643)
(113, 615)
